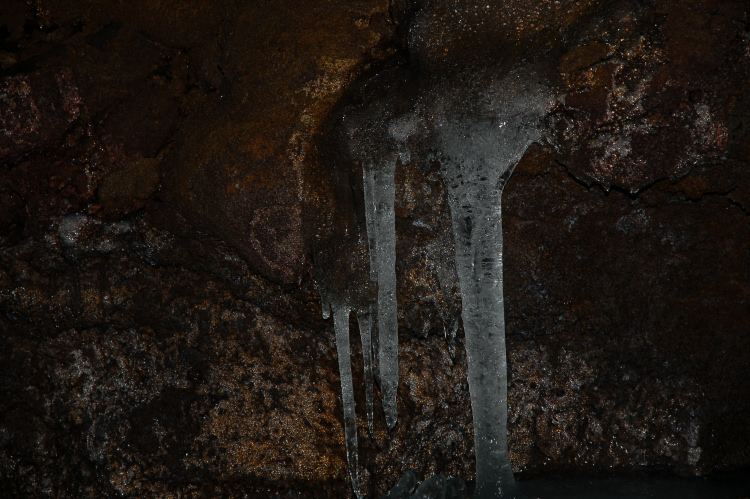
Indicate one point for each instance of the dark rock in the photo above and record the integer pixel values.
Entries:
(130, 186)
(435, 487)
(35, 111)
(243, 169)
(140, 357)
(646, 93)
(121, 389)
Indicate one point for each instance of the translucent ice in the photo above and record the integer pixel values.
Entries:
(340, 304)
(340, 296)
(478, 154)
(379, 193)
(476, 124)
(474, 121)
(365, 334)
(341, 327)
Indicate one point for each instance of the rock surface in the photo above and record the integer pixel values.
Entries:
(140, 356)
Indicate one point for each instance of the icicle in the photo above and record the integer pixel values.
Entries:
(478, 133)
(370, 224)
(365, 333)
(478, 158)
(380, 192)
(375, 340)
(478, 235)
(341, 327)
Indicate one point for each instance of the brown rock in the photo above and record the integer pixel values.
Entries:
(242, 171)
(157, 361)
(35, 111)
(134, 184)
(585, 56)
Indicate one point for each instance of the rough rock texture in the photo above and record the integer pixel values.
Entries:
(139, 356)
(120, 377)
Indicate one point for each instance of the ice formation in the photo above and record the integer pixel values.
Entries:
(379, 193)
(341, 311)
(475, 120)
(478, 153)
(341, 328)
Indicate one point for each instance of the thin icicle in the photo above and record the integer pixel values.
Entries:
(380, 192)
(341, 327)
(365, 333)
(370, 224)
(375, 341)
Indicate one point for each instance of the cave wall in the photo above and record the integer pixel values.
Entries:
(165, 176)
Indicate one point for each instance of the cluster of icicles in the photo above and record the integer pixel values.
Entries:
(477, 129)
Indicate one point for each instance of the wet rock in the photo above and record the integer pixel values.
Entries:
(646, 91)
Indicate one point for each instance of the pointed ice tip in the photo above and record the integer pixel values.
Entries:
(391, 421)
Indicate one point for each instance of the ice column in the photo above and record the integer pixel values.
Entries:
(477, 230)
(478, 156)
(379, 193)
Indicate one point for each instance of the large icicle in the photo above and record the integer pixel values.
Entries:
(380, 192)
(477, 229)
(341, 327)
(478, 155)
